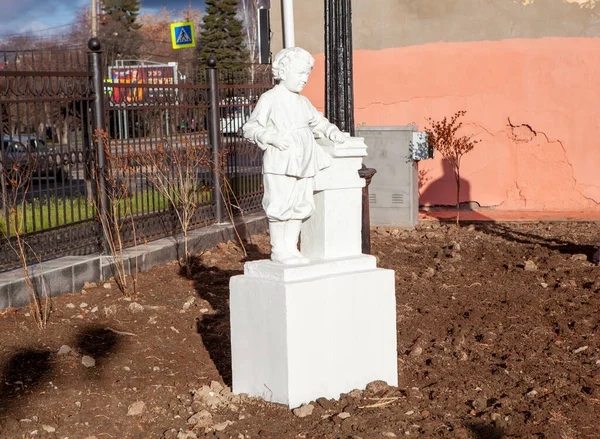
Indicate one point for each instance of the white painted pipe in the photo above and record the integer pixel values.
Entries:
(287, 13)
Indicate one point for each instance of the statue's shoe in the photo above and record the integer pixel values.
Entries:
(283, 257)
(289, 258)
(300, 259)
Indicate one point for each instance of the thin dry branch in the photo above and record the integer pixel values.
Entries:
(175, 172)
(443, 136)
(119, 207)
(16, 175)
(381, 402)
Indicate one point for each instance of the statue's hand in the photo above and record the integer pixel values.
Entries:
(337, 137)
(280, 142)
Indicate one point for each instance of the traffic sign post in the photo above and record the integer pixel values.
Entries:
(182, 35)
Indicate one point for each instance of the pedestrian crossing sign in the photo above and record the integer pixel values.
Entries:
(182, 35)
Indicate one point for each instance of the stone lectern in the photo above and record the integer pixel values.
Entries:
(327, 325)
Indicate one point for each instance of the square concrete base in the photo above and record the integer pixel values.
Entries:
(317, 330)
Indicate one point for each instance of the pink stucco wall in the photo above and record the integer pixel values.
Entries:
(533, 103)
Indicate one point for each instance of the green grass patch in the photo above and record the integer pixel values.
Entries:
(42, 214)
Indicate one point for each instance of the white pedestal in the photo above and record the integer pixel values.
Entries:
(334, 229)
(317, 330)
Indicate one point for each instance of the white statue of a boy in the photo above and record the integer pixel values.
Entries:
(283, 125)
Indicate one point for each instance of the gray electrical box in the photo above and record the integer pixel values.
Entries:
(420, 148)
(394, 190)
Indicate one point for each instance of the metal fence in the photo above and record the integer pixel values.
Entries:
(81, 138)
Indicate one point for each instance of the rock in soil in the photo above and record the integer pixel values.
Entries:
(429, 272)
(304, 411)
(64, 350)
(110, 310)
(88, 361)
(579, 257)
(137, 408)
(325, 403)
(216, 386)
(209, 397)
(222, 426)
(135, 308)
(200, 419)
(48, 428)
(377, 387)
(356, 394)
(480, 404)
(416, 351)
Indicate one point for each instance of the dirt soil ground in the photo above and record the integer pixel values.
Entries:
(498, 337)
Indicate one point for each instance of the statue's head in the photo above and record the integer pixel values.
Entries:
(292, 66)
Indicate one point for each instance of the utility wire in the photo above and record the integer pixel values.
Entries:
(28, 32)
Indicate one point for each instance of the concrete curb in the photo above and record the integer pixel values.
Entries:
(69, 273)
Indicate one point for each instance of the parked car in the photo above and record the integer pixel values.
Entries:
(30, 154)
(234, 114)
(36, 144)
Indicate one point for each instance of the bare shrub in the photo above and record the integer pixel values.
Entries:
(443, 136)
(177, 172)
(17, 169)
(117, 213)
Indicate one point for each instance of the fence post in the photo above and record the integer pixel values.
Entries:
(98, 129)
(214, 131)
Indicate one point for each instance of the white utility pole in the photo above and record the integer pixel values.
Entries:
(94, 18)
(287, 14)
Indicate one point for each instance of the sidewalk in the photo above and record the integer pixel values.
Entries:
(69, 273)
(499, 215)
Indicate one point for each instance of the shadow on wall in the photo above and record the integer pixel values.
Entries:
(441, 193)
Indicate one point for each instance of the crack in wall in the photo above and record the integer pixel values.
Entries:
(520, 134)
(517, 130)
(481, 127)
(412, 98)
(521, 196)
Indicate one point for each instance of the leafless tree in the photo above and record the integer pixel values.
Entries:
(443, 136)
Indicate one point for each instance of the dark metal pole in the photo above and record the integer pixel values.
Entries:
(214, 133)
(339, 82)
(98, 130)
(339, 88)
(367, 174)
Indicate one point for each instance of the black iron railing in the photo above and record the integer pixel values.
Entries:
(77, 133)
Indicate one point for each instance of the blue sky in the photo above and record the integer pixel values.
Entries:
(43, 17)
